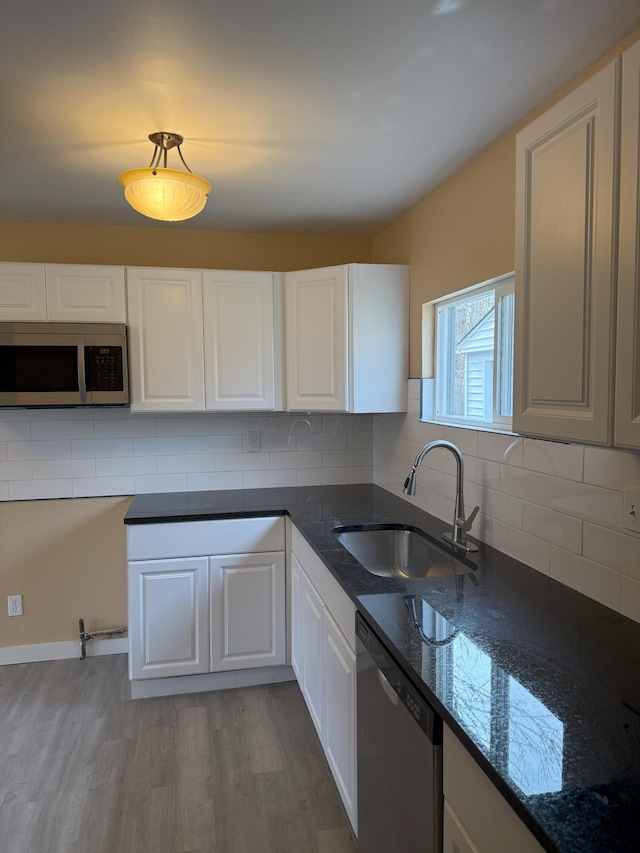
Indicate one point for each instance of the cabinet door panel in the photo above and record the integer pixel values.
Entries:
(248, 614)
(168, 618)
(311, 652)
(239, 340)
(316, 320)
(77, 293)
(564, 285)
(339, 693)
(22, 293)
(165, 332)
(296, 593)
(627, 419)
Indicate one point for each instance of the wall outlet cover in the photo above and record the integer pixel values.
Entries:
(253, 440)
(631, 514)
(14, 605)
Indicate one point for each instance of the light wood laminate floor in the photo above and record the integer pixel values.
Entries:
(85, 768)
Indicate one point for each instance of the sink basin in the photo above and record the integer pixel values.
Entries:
(398, 551)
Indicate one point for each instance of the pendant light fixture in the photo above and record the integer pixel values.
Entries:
(162, 193)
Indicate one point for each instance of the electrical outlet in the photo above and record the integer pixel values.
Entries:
(14, 605)
(631, 515)
(253, 440)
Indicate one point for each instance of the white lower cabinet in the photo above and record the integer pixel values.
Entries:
(477, 818)
(168, 618)
(324, 660)
(248, 627)
(210, 612)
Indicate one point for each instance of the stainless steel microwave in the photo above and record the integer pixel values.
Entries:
(63, 364)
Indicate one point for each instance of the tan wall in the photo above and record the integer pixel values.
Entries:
(67, 559)
(463, 232)
(47, 242)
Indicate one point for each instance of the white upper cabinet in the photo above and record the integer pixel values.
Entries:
(63, 293)
(85, 293)
(22, 293)
(347, 338)
(165, 340)
(627, 416)
(566, 187)
(239, 340)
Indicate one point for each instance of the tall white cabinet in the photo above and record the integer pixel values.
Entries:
(347, 338)
(565, 287)
(577, 255)
(627, 411)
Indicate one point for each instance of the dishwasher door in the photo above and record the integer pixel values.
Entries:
(399, 756)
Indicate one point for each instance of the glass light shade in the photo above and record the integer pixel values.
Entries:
(167, 194)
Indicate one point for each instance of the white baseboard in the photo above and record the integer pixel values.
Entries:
(153, 687)
(61, 651)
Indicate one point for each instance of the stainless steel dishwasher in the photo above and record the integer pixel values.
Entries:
(399, 756)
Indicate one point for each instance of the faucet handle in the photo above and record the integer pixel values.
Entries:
(466, 525)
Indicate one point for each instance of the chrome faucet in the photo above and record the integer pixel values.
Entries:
(461, 526)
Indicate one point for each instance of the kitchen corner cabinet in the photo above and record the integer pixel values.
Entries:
(627, 409)
(566, 173)
(324, 661)
(477, 818)
(201, 341)
(347, 338)
(62, 293)
(206, 596)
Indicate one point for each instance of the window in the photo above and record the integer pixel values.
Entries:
(473, 362)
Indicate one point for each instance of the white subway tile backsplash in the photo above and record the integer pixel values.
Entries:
(360, 474)
(612, 469)
(618, 551)
(528, 485)
(630, 598)
(587, 502)
(269, 479)
(159, 446)
(344, 458)
(484, 472)
(126, 466)
(322, 441)
(552, 457)
(203, 482)
(554, 527)
(58, 469)
(89, 487)
(278, 441)
(16, 470)
(184, 425)
(232, 424)
(101, 447)
(466, 440)
(18, 450)
(15, 431)
(123, 428)
(149, 483)
(501, 448)
(322, 476)
(523, 546)
(4, 491)
(213, 444)
(498, 506)
(3, 450)
(31, 490)
(240, 461)
(297, 459)
(51, 430)
(587, 577)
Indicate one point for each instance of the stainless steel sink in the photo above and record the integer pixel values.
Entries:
(398, 551)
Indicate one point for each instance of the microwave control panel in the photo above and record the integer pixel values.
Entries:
(104, 368)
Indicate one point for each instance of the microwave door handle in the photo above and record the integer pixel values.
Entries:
(82, 379)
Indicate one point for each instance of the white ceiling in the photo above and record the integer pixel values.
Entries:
(307, 116)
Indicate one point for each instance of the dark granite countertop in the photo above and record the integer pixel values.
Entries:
(540, 683)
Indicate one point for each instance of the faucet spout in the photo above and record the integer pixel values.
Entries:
(458, 535)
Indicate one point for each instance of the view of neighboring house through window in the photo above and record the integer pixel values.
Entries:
(474, 355)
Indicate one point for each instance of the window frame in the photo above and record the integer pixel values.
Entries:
(502, 286)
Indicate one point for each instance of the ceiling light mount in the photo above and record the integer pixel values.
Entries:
(162, 193)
